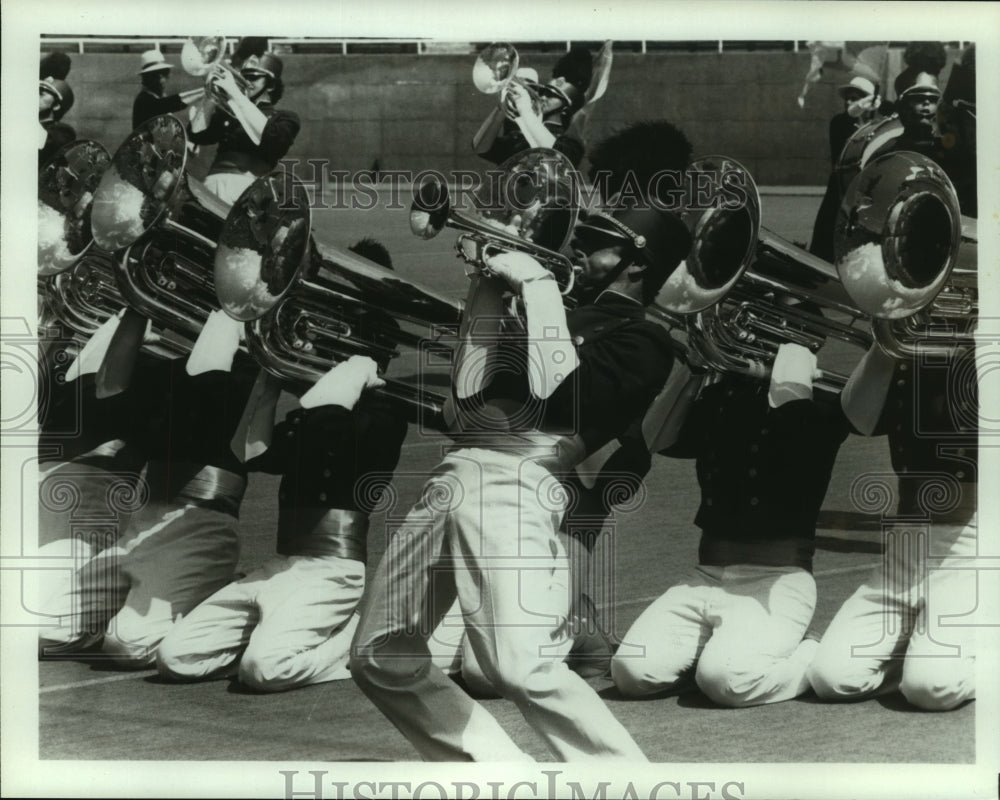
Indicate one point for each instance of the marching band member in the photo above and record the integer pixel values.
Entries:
(893, 631)
(561, 98)
(489, 515)
(256, 136)
(152, 100)
(765, 453)
(55, 99)
(290, 622)
(182, 546)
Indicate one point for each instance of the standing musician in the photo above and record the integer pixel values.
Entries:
(152, 100)
(182, 546)
(765, 453)
(485, 527)
(561, 98)
(255, 136)
(55, 99)
(860, 96)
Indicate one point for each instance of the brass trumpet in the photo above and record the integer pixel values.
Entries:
(310, 305)
(533, 211)
(162, 226)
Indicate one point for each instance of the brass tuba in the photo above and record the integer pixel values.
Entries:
(903, 245)
(533, 210)
(309, 304)
(76, 282)
(777, 292)
(162, 226)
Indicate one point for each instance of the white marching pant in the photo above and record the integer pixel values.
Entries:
(288, 624)
(484, 531)
(738, 628)
(170, 559)
(909, 626)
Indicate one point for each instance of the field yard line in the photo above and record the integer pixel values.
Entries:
(110, 679)
(820, 574)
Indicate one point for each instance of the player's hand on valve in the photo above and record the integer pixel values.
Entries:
(344, 384)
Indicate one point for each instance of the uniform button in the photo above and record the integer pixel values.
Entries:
(901, 382)
(290, 434)
(764, 431)
(708, 501)
(754, 448)
(903, 367)
(327, 473)
(322, 497)
(752, 472)
(960, 474)
(754, 501)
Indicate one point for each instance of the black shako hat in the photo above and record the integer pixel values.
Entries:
(577, 67)
(656, 237)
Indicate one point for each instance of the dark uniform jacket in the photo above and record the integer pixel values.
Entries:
(186, 424)
(511, 141)
(763, 471)
(931, 419)
(148, 105)
(59, 134)
(75, 425)
(237, 153)
(323, 455)
(624, 360)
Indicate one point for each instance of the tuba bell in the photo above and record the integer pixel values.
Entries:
(775, 292)
(902, 243)
(533, 210)
(310, 305)
(162, 225)
(77, 284)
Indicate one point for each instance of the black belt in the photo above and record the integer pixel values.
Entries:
(208, 487)
(338, 532)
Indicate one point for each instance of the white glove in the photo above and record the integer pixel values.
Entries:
(792, 374)
(517, 269)
(89, 359)
(216, 346)
(343, 385)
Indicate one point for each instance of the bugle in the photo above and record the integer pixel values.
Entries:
(201, 56)
(533, 210)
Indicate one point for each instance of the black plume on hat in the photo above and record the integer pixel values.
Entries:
(925, 57)
(644, 149)
(577, 67)
(54, 65)
(249, 46)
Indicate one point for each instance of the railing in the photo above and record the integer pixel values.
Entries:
(429, 47)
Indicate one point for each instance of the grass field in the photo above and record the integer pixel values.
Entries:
(89, 712)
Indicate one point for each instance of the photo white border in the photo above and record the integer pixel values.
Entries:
(23, 22)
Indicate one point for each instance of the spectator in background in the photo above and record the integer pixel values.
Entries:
(860, 97)
(152, 100)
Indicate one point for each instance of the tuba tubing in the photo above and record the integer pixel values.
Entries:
(309, 304)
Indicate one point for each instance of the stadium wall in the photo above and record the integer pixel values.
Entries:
(419, 112)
